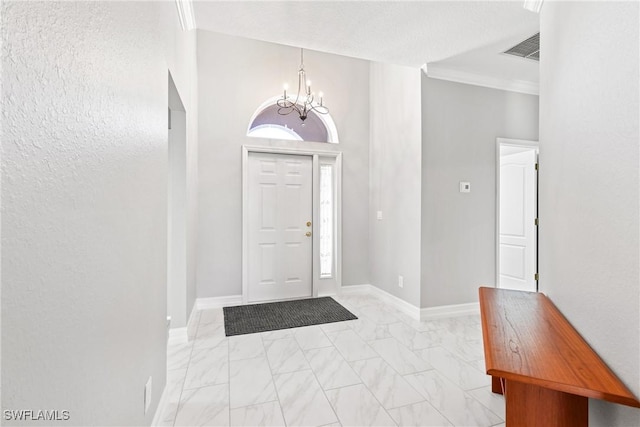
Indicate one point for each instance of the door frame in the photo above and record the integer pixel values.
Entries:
(319, 286)
(512, 143)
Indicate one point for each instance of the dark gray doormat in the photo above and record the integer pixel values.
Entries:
(249, 319)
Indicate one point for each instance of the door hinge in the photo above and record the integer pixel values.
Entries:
(535, 222)
(537, 166)
(536, 277)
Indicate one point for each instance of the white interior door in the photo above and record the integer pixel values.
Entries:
(279, 226)
(517, 234)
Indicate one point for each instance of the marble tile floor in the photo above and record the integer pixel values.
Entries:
(384, 369)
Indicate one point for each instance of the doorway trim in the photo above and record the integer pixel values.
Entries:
(319, 286)
(509, 142)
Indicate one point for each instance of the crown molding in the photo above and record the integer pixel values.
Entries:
(458, 76)
(533, 5)
(185, 14)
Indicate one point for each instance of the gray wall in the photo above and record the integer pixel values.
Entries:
(236, 76)
(395, 178)
(460, 124)
(84, 202)
(589, 133)
(177, 221)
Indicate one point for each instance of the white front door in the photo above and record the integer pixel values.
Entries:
(517, 234)
(279, 226)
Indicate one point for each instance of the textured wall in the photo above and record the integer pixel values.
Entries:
(460, 124)
(84, 202)
(589, 190)
(236, 76)
(395, 178)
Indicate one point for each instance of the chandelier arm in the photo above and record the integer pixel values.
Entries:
(290, 108)
(320, 109)
(284, 112)
(284, 103)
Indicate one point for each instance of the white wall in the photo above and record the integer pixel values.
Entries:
(395, 178)
(236, 76)
(460, 124)
(84, 202)
(182, 63)
(177, 221)
(589, 190)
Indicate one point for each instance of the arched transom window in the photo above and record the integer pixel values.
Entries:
(267, 123)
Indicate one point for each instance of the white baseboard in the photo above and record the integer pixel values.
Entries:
(161, 404)
(217, 302)
(402, 305)
(405, 307)
(178, 335)
(443, 311)
(411, 310)
(181, 335)
(192, 323)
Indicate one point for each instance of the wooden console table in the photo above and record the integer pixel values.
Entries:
(545, 368)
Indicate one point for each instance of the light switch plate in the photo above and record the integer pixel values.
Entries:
(465, 187)
(379, 215)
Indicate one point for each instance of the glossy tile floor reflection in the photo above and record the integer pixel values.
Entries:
(384, 369)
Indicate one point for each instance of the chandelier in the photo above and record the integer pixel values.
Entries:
(304, 101)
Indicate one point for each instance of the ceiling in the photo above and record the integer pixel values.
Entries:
(462, 35)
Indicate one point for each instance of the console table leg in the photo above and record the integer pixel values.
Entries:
(530, 405)
(496, 386)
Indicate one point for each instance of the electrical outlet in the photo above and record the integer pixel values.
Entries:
(147, 395)
(401, 281)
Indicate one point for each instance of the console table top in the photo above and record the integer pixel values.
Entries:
(527, 339)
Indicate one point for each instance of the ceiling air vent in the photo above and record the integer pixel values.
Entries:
(530, 48)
